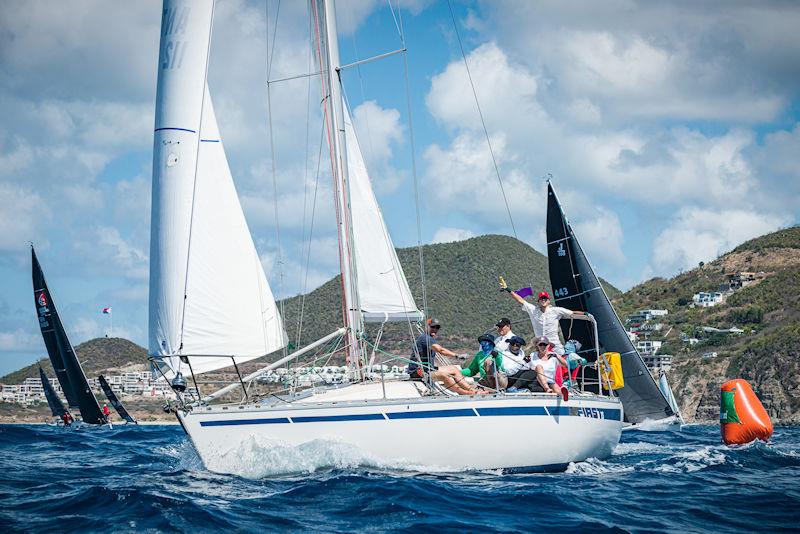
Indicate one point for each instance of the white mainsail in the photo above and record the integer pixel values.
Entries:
(209, 297)
(383, 290)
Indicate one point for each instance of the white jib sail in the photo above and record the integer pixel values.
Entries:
(209, 298)
(383, 289)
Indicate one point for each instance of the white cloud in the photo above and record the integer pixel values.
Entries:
(19, 340)
(697, 235)
(21, 216)
(448, 235)
(378, 130)
(601, 237)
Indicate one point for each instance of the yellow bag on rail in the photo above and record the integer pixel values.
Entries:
(611, 370)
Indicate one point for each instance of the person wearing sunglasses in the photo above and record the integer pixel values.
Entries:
(546, 367)
(519, 366)
(423, 359)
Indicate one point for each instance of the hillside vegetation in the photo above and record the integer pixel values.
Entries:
(462, 292)
(97, 356)
(767, 354)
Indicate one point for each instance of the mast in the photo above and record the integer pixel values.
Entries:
(329, 53)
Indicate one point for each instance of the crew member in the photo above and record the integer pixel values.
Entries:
(544, 317)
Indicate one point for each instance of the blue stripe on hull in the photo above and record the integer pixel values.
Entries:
(231, 422)
(354, 417)
(430, 414)
(591, 413)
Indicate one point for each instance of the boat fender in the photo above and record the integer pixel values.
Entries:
(742, 417)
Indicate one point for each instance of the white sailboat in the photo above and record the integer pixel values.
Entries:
(211, 306)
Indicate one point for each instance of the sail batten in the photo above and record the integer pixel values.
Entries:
(575, 286)
(208, 291)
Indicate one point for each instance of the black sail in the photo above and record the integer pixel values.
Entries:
(67, 367)
(576, 287)
(56, 406)
(114, 400)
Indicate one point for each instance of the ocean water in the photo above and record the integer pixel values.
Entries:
(149, 479)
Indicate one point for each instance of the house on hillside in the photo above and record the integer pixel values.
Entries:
(706, 300)
(648, 347)
(743, 279)
(658, 362)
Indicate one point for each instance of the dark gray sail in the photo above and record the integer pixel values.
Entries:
(55, 404)
(114, 400)
(67, 367)
(576, 287)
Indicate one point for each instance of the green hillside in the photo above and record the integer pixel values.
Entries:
(767, 353)
(462, 291)
(96, 356)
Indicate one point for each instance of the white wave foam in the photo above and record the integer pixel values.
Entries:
(639, 447)
(260, 457)
(184, 454)
(694, 460)
(648, 425)
(594, 467)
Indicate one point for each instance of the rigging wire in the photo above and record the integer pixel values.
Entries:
(305, 175)
(415, 176)
(310, 234)
(480, 113)
(270, 58)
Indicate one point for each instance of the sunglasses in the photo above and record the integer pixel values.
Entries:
(514, 345)
(543, 344)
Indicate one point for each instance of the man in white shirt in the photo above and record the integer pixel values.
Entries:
(544, 318)
(519, 366)
(504, 334)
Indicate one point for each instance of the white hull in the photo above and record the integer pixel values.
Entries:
(536, 432)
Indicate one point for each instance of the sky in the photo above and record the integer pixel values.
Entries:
(671, 131)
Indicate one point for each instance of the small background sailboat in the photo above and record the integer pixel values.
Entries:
(65, 363)
(56, 406)
(114, 400)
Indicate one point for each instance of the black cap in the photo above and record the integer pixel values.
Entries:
(516, 340)
(505, 321)
(486, 337)
(434, 322)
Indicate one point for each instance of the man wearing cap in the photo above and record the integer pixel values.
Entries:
(425, 346)
(488, 362)
(504, 334)
(544, 317)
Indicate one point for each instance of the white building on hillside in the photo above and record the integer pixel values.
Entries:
(705, 300)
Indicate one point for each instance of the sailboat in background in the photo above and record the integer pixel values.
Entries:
(114, 400)
(65, 363)
(211, 306)
(663, 385)
(576, 287)
(56, 406)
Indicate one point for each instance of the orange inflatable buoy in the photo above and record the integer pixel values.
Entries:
(741, 415)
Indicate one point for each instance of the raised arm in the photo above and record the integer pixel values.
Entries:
(504, 287)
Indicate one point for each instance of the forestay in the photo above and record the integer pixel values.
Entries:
(209, 297)
(576, 287)
(383, 290)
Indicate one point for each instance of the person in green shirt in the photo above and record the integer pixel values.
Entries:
(488, 362)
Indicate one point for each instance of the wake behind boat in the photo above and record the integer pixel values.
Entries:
(211, 306)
